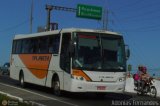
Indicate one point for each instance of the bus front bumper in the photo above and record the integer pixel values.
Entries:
(84, 86)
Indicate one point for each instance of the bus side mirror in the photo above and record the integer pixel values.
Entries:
(127, 52)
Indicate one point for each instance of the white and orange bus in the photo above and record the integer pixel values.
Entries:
(74, 60)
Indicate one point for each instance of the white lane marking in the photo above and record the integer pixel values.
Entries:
(20, 99)
(9, 95)
(39, 94)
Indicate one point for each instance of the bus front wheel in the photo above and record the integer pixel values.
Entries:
(56, 86)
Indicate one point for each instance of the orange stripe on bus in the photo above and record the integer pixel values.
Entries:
(77, 72)
(37, 64)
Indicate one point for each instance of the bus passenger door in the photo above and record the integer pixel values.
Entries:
(65, 59)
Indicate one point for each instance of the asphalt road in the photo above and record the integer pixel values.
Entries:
(44, 96)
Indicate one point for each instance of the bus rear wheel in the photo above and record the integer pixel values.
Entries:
(21, 80)
(56, 86)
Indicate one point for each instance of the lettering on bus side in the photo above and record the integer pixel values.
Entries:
(40, 58)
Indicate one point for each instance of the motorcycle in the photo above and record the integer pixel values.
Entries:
(145, 87)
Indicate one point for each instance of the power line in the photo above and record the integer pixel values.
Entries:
(146, 28)
(31, 17)
(124, 32)
(129, 5)
(139, 59)
(144, 14)
(15, 26)
(137, 53)
(141, 19)
(140, 13)
(142, 7)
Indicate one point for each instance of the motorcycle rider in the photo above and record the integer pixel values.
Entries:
(142, 72)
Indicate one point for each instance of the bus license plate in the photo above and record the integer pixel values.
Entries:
(101, 87)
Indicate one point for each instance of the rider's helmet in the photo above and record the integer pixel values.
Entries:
(144, 70)
(140, 67)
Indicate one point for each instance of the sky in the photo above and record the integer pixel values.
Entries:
(137, 20)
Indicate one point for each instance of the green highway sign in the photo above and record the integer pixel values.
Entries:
(88, 11)
(129, 67)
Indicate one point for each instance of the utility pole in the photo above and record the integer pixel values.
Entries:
(31, 17)
(105, 19)
(49, 9)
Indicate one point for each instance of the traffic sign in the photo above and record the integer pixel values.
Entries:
(129, 67)
(88, 11)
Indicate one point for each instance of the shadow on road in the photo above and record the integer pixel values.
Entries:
(82, 99)
(92, 96)
(83, 96)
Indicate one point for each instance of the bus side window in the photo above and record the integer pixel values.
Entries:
(43, 44)
(65, 58)
(14, 47)
(18, 47)
(54, 44)
(25, 46)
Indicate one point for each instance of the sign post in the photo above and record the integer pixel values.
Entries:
(129, 69)
(88, 11)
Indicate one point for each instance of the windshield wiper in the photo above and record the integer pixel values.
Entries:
(78, 63)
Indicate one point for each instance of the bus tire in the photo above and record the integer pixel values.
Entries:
(56, 86)
(21, 80)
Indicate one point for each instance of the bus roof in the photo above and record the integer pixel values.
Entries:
(22, 36)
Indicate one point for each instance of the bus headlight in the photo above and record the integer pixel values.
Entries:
(121, 79)
(78, 77)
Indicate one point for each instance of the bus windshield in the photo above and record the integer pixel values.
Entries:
(95, 51)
